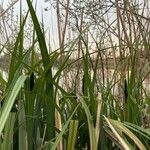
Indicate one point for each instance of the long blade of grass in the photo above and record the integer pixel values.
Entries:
(40, 35)
(63, 129)
(93, 145)
(116, 134)
(72, 134)
(16, 58)
(49, 110)
(8, 133)
(142, 131)
(52, 145)
(118, 125)
(9, 101)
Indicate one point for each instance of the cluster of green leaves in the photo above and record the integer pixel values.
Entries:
(86, 121)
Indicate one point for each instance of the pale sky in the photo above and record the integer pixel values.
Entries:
(49, 16)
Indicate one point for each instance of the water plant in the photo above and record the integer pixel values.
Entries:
(78, 96)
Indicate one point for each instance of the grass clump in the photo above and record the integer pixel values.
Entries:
(79, 96)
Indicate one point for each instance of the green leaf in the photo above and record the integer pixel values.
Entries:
(72, 134)
(93, 145)
(58, 138)
(9, 101)
(8, 133)
(118, 126)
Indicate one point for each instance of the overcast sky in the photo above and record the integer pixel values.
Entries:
(49, 16)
